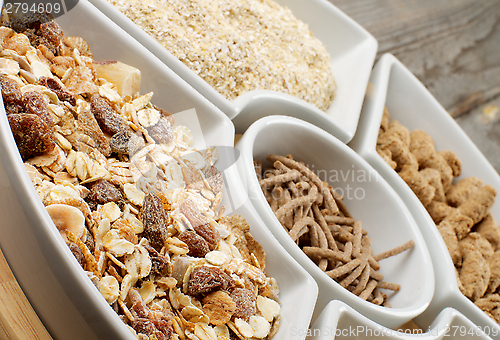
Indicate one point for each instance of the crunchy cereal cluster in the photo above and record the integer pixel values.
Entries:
(317, 219)
(238, 46)
(461, 211)
(138, 207)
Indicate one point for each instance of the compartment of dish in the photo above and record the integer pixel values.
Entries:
(362, 188)
(352, 52)
(409, 102)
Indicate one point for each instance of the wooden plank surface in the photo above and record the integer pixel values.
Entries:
(18, 321)
(453, 47)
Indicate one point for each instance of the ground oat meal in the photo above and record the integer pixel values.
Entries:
(240, 45)
(138, 207)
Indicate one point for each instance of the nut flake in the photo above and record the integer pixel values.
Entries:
(259, 326)
(244, 328)
(269, 308)
(109, 288)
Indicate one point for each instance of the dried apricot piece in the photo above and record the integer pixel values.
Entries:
(154, 220)
(33, 137)
(198, 247)
(205, 279)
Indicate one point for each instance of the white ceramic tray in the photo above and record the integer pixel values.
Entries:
(408, 101)
(340, 321)
(352, 50)
(64, 298)
(370, 200)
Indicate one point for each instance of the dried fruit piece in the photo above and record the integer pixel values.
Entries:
(126, 78)
(106, 116)
(219, 307)
(57, 88)
(102, 192)
(154, 219)
(198, 247)
(207, 279)
(245, 300)
(11, 90)
(161, 132)
(126, 143)
(200, 223)
(52, 33)
(214, 179)
(32, 135)
(35, 104)
(159, 263)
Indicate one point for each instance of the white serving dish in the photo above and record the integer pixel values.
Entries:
(352, 50)
(382, 213)
(339, 321)
(64, 298)
(408, 101)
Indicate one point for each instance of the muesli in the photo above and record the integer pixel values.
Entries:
(137, 205)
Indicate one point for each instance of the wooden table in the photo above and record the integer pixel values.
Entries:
(452, 46)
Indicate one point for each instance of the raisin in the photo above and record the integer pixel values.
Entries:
(162, 131)
(198, 247)
(52, 33)
(106, 116)
(245, 301)
(102, 192)
(200, 223)
(33, 137)
(154, 220)
(90, 127)
(35, 104)
(13, 108)
(214, 179)
(143, 326)
(77, 253)
(89, 242)
(208, 279)
(11, 90)
(165, 114)
(126, 143)
(209, 233)
(57, 88)
(159, 263)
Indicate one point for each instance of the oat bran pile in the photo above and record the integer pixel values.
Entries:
(138, 207)
(239, 45)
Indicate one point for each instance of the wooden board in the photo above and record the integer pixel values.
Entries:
(453, 47)
(18, 320)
